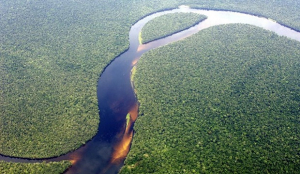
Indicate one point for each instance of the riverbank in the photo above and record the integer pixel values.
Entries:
(226, 102)
(82, 63)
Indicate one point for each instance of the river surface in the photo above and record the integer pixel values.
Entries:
(106, 152)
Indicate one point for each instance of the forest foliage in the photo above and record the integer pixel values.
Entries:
(52, 53)
(33, 168)
(169, 24)
(225, 100)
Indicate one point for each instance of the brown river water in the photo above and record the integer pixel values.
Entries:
(106, 152)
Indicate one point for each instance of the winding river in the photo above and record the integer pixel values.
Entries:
(106, 152)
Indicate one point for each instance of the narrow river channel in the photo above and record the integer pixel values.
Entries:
(106, 152)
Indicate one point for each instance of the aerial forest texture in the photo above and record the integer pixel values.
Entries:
(35, 168)
(225, 100)
(169, 24)
(52, 53)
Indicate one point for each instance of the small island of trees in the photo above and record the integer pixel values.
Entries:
(169, 24)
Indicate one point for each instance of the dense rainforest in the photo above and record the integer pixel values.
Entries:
(160, 27)
(225, 100)
(35, 168)
(52, 53)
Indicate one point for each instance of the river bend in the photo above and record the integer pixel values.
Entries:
(106, 152)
